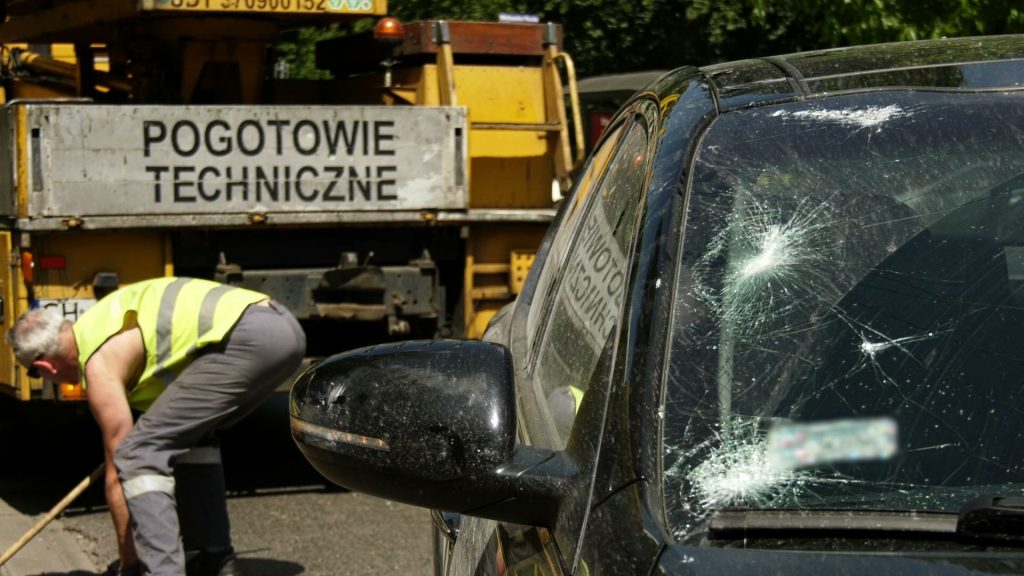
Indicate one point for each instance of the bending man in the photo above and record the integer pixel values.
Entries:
(194, 356)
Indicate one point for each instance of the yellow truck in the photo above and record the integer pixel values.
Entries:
(403, 198)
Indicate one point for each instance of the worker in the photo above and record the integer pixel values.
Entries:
(193, 356)
(564, 403)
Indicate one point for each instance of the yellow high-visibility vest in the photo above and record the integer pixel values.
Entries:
(577, 396)
(177, 317)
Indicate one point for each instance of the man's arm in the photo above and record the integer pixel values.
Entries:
(108, 372)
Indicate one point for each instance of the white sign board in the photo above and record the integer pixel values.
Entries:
(594, 279)
(96, 160)
(70, 308)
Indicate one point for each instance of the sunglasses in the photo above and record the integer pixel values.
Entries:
(33, 371)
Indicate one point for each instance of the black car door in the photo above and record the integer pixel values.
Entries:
(565, 326)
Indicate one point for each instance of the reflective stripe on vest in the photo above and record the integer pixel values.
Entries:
(165, 319)
(165, 323)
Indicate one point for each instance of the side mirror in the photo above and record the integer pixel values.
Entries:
(428, 423)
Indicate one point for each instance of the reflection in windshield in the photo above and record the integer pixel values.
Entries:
(851, 282)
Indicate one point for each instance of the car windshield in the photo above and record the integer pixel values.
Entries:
(848, 327)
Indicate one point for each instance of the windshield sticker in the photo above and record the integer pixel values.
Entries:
(793, 446)
(867, 117)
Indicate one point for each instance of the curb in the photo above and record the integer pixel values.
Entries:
(53, 551)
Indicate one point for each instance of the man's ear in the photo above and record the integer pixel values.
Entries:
(45, 367)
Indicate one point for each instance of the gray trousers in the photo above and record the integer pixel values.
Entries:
(216, 390)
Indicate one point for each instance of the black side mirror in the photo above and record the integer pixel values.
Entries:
(428, 423)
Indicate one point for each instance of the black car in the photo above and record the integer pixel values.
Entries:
(777, 328)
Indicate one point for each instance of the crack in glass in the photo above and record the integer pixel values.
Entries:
(846, 262)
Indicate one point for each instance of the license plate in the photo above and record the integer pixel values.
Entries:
(70, 308)
(806, 445)
(368, 7)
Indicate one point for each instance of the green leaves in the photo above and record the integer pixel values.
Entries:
(605, 36)
(299, 54)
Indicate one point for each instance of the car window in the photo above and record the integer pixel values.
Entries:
(585, 304)
(849, 315)
(517, 550)
(566, 230)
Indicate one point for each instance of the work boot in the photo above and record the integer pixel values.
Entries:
(115, 569)
(221, 562)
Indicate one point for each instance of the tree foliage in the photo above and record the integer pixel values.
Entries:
(605, 36)
(298, 52)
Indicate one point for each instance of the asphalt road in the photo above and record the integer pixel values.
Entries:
(286, 520)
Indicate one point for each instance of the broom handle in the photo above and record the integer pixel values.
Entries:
(67, 500)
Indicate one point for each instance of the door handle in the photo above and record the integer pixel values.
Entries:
(448, 523)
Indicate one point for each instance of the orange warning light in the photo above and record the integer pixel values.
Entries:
(27, 267)
(389, 30)
(70, 392)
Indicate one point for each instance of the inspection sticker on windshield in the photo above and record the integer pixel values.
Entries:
(853, 440)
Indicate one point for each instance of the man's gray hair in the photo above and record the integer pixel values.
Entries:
(36, 334)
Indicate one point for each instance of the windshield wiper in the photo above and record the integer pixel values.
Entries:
(993, 518)
(986, 518)
(727, 522)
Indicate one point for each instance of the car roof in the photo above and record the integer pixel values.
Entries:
(950, 64)
(616, 85)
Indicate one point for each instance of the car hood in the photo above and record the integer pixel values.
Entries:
(694, 561)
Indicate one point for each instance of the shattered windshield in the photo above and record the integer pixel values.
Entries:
(848, 330)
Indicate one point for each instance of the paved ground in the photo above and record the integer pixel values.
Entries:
(286, 521)
(44, 453)
(54, 550)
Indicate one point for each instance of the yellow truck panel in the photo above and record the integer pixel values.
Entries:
(8, 313)
(59, 271)
(64, 263)
(404, 198)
